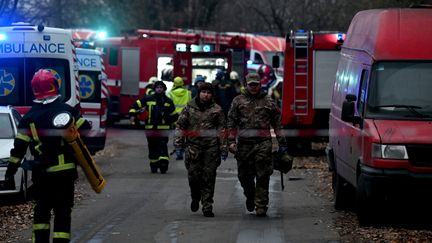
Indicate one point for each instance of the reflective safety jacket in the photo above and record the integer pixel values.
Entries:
(180, 96)
(160, 108)
(37, 131)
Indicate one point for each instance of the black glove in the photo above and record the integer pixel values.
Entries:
(179, 154)
(283, 149)
(224, 155)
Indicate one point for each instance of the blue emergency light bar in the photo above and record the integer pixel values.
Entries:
(340, 38)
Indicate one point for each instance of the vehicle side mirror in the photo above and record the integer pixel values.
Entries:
(275, 61)
(348, 110)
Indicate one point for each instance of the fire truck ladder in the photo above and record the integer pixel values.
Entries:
(300, 42)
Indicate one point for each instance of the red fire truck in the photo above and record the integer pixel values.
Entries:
(131, 60)
(311, 60)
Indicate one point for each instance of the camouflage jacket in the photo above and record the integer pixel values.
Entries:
(250, 118)
(201, 128)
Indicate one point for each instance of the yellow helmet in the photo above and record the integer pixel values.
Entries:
(178, 82)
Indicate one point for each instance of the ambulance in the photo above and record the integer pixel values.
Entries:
(26, 48)
(93, 95)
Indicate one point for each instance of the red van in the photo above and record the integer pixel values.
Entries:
(381, 113)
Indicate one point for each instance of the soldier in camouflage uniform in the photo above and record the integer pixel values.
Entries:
(251, 116)
(200, 130)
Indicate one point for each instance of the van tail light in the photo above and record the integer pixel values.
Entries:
(103, 113)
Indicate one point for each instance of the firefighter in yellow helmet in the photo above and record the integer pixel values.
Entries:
(181, 97)
(54, 166)
(179, 94)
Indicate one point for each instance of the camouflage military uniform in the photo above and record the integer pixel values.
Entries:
(200, 131)
(249, 120)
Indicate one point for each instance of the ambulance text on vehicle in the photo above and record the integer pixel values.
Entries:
(93, 94)
(24, 49)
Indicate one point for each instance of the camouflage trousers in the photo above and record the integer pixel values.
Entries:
(201, 165)
(254, 162)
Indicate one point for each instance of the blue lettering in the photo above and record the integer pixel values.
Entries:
(7, 48)
(87, 62)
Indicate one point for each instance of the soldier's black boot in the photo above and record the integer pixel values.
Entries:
(261, 211)
(250, 203)
(208, 214)
(194, 205)
(154, 167)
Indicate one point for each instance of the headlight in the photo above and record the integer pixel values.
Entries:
(385, 151)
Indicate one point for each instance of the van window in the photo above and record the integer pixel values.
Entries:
(258, 59)
(113, 56)
(400, 90)
(90, 86)
(362, 92)
(15, 86)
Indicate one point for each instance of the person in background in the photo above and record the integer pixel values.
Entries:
(205, 149)
(199, 80)
(149, 87)
(180, 96)
(224, 91)
(250, 118)
(161, 116)
(235, 80)
(54, 168)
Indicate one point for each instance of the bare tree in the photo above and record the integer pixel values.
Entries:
(7, 9)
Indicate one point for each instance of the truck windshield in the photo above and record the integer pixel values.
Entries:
(400, 90)
(16, 75)
(90, 86)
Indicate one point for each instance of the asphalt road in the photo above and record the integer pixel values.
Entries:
(138, 206)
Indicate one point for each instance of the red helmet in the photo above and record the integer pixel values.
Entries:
(265, 70)
(44, 84)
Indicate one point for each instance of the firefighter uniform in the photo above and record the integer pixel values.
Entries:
(161, 115)
(200, 131)
(53, 171)
(250, 119)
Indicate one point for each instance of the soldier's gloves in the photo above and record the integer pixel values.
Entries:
(224, 155)
(179, 154)
(283, 149)
(233, 148)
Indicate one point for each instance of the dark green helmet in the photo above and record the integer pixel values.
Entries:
(282, 162)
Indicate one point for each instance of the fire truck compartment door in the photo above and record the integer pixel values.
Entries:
(130, 71)
(324, 73)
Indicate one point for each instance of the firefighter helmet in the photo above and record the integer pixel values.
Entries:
(282, 162)
(178, 82)
(160, 83)
(44, 84)
(220, 74)
(234, 75)
(153, 79)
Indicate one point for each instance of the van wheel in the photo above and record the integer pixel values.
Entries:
(366, 210)
(343, 192)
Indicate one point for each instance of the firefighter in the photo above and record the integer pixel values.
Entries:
(235, 80)
(179, 94)
(267, 76)
(250, 119)
(149, 88)
(161, 115)
(54, 167)
(204, 149)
